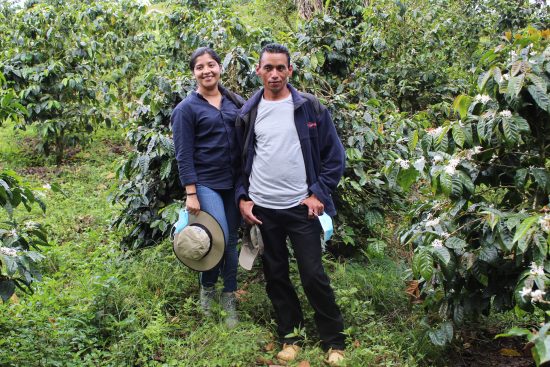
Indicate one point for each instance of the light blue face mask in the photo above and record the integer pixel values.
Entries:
(182, 222)
(326, 223)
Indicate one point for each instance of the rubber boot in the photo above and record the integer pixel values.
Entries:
(207, 296)
(229, 305)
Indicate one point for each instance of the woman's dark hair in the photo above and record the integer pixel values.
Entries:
(275, 48)
(201, 51)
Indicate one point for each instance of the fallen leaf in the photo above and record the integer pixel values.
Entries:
(269, 347)
(528, 346)
(304, 364)
(14, 299)
(413, 291)
(356, 343)
(241, 294)
(510, 352)
(263, 361)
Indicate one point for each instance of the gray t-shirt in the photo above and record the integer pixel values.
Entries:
(278, 179)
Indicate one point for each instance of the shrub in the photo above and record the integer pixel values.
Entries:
(481, 240)
(19, 242)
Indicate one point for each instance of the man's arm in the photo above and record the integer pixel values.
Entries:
(333, 158)
(242, 200)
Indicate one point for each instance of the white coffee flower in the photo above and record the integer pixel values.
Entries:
(482, 98)
(537, 296)
(13, 233)
(533, 53)
(445, 235)
(536, 270)
(432, 223)
(47, 186)
(30, 225)
(438, 158)
(505, 76)
(505, 113)
(545, 223)
(435, 132)
(494, 157)
(450, 168)
(403, 163)
(525, 292)
(437, 243)
(469, 153)
(8, 251)
(420, 163)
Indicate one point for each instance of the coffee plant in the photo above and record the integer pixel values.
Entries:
(481, 240)
(20, 242)
(10, 106)
(49, 67)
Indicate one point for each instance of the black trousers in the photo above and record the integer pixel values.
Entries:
(304, 235)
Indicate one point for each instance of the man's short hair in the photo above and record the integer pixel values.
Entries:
(275, 48)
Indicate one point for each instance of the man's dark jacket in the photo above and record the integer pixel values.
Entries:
(323, 152)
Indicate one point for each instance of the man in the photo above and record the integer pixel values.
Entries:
(292, 160)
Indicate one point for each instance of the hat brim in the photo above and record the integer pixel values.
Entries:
(213, 257)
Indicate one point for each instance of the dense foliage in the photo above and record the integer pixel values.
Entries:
(49, 65)
(19, 242)
(481, 242)
(442, 106)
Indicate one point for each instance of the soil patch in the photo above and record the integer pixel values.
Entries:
(481, 349)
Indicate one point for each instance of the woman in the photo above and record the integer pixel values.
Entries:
(203, 126)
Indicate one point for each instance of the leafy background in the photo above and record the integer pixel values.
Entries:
(442, 231)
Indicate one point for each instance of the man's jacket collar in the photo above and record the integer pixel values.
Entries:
(253, 101)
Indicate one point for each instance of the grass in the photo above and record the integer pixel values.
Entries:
(98, 306)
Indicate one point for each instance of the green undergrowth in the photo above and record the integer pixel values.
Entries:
(98, 306)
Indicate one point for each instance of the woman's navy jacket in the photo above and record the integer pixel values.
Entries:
(205, 142)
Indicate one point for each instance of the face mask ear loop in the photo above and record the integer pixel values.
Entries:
(182, 222)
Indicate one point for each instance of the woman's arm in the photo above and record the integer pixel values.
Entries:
(183, 132)
(192, 202)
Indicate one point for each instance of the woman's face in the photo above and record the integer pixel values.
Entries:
(206, 72)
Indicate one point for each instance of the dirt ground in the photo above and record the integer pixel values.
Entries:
(483, 350)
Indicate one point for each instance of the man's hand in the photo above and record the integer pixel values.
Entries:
(245, 207)
(192, 204)
(315, 206)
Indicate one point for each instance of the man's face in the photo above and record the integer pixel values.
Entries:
(274, 71)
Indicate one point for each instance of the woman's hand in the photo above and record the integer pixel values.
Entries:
(192, 204)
